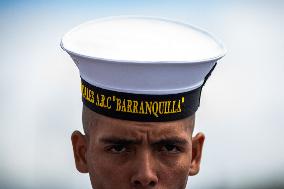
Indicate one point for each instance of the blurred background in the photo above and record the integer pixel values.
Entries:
(242, 105)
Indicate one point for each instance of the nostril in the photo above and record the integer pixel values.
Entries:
(152, 183)
(137, 183)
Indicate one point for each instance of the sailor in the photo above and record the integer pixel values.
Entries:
(141, 82)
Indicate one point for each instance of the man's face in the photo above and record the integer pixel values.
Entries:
(126, 154)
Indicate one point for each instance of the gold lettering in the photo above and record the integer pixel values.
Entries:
(84, 93)
(155, 108)
(87, 94)
(141, 109)
(108, 101)
(92, 99)
(168, 106)
(98, 100)
(178, 107)
(173, 107)
(123, 107)
(118, 104)
(161, 107)
(82, 88)
(135, 109)
(148, 107)
(165, 107)
(102, 104)
(129, 105)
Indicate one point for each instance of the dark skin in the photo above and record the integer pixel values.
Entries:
(137, 155)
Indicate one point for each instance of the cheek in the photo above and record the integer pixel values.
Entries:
(104, 173)
(173, 173)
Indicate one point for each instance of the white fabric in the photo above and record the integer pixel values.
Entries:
(142, 55)
(141, 39)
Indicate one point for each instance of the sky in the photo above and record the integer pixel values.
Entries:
(241, 108)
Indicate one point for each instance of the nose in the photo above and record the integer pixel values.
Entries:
(145, 175)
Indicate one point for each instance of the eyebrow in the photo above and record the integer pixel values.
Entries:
(171, 140)
(120, 141)
(126, 141)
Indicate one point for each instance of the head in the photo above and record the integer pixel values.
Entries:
(128, 154)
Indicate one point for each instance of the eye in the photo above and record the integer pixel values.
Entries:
(170, 148)
(117, 149)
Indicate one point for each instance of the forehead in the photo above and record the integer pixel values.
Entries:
(106, 126)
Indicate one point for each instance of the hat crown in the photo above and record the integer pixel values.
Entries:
(142, 68)
(142, 39)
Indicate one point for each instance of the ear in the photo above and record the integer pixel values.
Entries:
(197, 145)
(80, 150)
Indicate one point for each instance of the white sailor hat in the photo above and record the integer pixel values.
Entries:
(142, 68)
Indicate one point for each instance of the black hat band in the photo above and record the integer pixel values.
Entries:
(140, 107)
